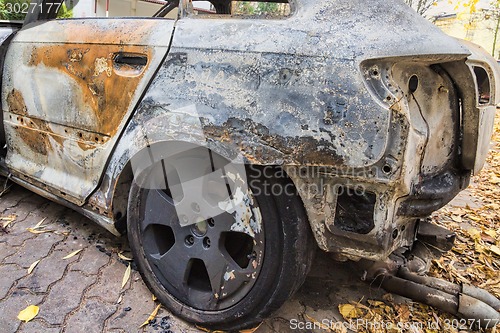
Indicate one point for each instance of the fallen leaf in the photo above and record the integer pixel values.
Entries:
(475, 234)
(37, 232)
(39, 225)
(375, 303)
(8, 219)
(349, 311)
(33, 265)
(152, 315)
(311, 319)
(126, 276)
(121, 256)
(495, 249)
(457, 218)
(154, 298)
(29, 313)
(71, 255)
(491, 233)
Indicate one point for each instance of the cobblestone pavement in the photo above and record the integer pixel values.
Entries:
(84, 293)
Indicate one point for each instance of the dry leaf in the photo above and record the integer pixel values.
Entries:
(39, 225)
(311, 319)
(475, 234)
(375, 303)
(349, 311)
(37, 232)
(154, 297)
(152, 315)
(33, 265)
(71, 255)
(9, 219)
(495, 249)
(121, 256)
(29, 313)
(126, 276)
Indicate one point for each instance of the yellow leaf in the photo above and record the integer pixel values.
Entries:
(121, 256)
(9, 219)
(375, 303)
(126, 277)
(151, 316)
(71, 255)
(33, 265)
(456, 218)
(39, 225)
(29, 313)
(495, 249)
(37, 232)
(154, 297)
(475, 234)
(491, 233)
(348, 311)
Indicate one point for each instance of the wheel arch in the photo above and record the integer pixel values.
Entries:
(121, 181)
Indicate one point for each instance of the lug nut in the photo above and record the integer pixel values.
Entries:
(206, 242)
(189, 240)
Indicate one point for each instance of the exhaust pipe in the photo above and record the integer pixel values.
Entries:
(465, 301)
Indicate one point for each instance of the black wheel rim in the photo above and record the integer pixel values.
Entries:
(211, 265)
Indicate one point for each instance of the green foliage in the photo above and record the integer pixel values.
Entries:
(256, 8)
(16, 10)
(267, 8)
(64, 12)
(244, 8)
(13, 9)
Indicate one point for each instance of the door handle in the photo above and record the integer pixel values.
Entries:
(130, 59)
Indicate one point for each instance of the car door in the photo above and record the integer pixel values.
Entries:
(69, 87)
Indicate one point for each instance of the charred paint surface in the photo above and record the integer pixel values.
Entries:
(68, 91)
(99, 86)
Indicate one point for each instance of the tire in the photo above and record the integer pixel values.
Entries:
(208, 273)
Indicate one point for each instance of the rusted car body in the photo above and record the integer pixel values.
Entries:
(370, 100)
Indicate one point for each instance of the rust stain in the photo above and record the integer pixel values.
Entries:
(106, 90)
(38, 142)
(16, 102)
(34, 132)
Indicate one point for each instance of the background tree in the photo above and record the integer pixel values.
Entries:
(421, 6)
(14, 13)
(492, 14)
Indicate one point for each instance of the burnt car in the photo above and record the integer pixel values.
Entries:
(230, 144)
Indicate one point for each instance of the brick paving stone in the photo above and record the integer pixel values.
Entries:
(91, 261)
(48, 271)
(10, 308)
(138, 300)
(14, 196)
(110, 282)
(36, 326)
(34, 249)
(6, 250)
(65, 296)
(93, 308)
(174, 324)
(18, 239)
(9, 274)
